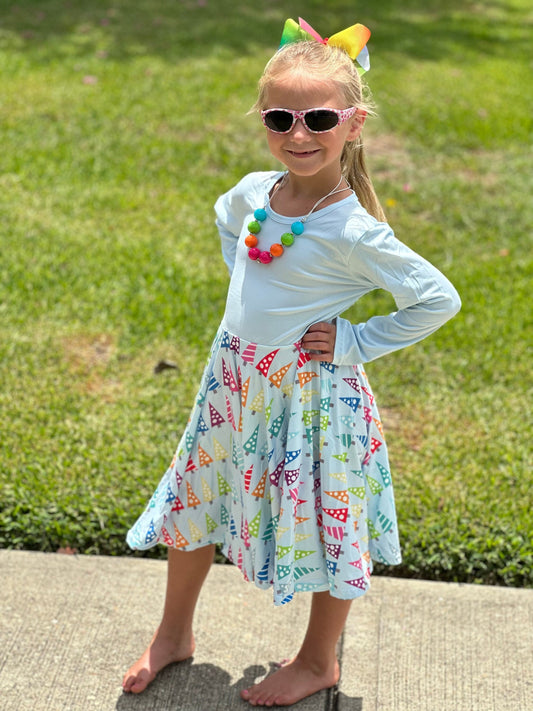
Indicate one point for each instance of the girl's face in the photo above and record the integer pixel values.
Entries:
(307, 154)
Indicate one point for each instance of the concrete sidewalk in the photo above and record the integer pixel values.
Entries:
(71, 625)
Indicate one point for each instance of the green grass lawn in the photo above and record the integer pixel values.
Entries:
(120, 124)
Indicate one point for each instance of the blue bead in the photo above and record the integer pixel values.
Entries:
(297, 227)
(260, 214)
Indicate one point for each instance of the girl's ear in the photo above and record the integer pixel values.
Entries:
(357, 123)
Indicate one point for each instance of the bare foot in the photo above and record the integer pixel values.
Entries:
(291, 683)
(161, 652)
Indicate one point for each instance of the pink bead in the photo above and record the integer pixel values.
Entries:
(265, 257)
(254, 253)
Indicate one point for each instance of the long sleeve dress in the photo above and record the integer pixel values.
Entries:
(283, 460)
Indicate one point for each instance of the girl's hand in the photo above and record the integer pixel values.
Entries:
(319, 341)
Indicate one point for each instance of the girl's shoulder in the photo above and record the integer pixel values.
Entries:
(359, 225)
(248, 194)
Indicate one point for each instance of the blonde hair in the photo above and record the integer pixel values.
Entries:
(311, 58)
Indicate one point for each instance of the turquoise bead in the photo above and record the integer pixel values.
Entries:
(287, 239)
(260, 214)
(297, 227)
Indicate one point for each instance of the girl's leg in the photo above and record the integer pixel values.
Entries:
(315, 667)
(173, 640)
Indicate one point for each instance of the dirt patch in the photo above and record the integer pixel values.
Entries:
(88, 352)
(87, 356)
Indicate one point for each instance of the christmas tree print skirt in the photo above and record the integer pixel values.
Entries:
(283, 462)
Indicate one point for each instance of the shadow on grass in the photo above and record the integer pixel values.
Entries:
(175, 30)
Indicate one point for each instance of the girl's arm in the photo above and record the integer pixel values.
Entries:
(425, 299)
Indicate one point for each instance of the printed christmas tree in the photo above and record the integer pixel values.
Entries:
(328, 366)
(276, 474)
(277, 378)
(192, 499)
(375, 445)
(203, 457)
(253, 526)
(229, 412)
(225, 341)
(258, 402)
(196, 533)
(264, 364)
(250, 445)
(180, 540)
(385, 475)
(357, 583)
(210, 524)
(352, 402)
(378, 424)
(338, 514)
(202, 427)
(306, 377)
(177, 506)
(259, 490)
(220, 452)
(375, 486)
(303, 359)
(353, 383)
(370, 396)
(228, 378)
(223, 486)
(207, 492)
(309, 415)
(215, 417)
(237, 456)
(248, 478)
(341, 496)
(291, 476)
(275, 427)
(292, 456)
(244, 392)
(248, 354)
(167, 538)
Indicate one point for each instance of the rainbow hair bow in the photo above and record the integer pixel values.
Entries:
(352, 40)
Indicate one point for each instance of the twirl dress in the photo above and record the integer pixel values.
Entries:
(283, 460)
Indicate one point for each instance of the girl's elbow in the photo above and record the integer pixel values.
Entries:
(454, 303)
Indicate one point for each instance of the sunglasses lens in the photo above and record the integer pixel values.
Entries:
(279, 121)
(321, 120)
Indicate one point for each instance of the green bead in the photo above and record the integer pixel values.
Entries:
(254, 227)
(287, 239)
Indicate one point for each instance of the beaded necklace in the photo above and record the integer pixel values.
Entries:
(287, 238)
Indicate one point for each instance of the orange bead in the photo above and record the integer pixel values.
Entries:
(276, 250)
(251, 241)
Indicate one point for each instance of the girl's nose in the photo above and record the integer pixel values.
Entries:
(299, 130)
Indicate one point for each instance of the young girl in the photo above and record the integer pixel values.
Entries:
(283, 460)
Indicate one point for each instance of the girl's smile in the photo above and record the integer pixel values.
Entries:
(302, 154)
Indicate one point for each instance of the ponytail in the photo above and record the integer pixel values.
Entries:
(356, 173)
